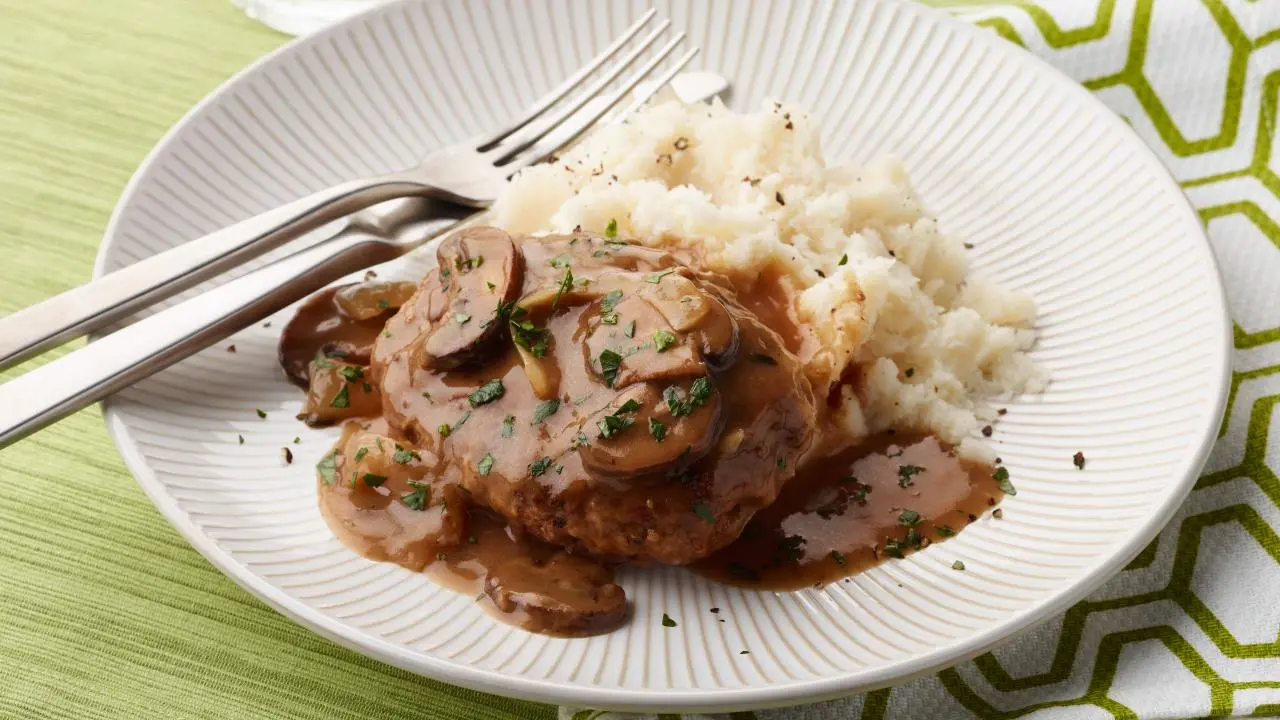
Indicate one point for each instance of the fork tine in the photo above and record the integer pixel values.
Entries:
(563, 89)
(524, 140)
(563, 134)
(660, 83)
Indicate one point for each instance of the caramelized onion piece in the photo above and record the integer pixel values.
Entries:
(481, 269)
(367, 300)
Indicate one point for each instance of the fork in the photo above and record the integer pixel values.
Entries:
(117, 360)
(470, 173)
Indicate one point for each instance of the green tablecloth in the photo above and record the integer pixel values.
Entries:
(105, 612)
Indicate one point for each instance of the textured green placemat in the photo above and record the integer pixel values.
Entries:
(105, 612)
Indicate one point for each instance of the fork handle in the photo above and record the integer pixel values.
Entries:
(78, 379)
(98, 303)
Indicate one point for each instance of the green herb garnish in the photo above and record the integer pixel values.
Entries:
(667, 621)
(461, 318)
(945, 531)
(373, 480)
(611, 230)
(486, 393)
(656, 278)
(566, 284)
(539, 466)
(957, 565)
(844, 260)
(1001, 476)
(261, 413)
(610, 300)
(657, 429)
(545, 410)
(631, 329)
(560, 261)
(663, 339)
(323, 362)
(839, 558)
(341, 400)
(508, 426)
(351, 372)
(328, 468)
(906, 472)
(419, 499)
(610, 361)
(402, 456)
(702, 510)
(908, 518)
(485, 465)
(361, 453)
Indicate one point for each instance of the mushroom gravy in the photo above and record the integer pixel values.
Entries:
(539, 410)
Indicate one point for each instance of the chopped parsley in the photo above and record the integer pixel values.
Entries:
(613, 424)
(630, 330)
(893, 548)
(486, 393)
(361, 453)
(906, 472)
(610, 318)
(566, 284)
(539, 466)
(945, 531)
(781, 463)
(957, 565)
(530, 337)
(844, 260)
(610, 361)
(373, 480)
(508, 426)
(485, 465)
(656, 278)
(657, 429)
(703, 511)
(560, 262)
(908, 518)
(240, 438)
(403, 456)
(341, 400)
(839, 558)
(1001, 476)
(351, 372)
(580, 441)
(328, 468)
(679, 405)
(667, 621)
(610, 300)
(611, 230)
(462, 420)
(323, 362)
(461, 318)
(419, 499)
(544, 411)
(1078, 460)
(663, 339)
(261, 413)
(444, 430)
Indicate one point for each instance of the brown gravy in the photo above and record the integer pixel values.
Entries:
(840, 515)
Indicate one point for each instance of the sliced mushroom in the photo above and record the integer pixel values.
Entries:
(481, 270)
(691, 309)
(653, 438)
(562, 595)
(323, 327)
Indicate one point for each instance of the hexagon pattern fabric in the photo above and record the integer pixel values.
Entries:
(1191, 628)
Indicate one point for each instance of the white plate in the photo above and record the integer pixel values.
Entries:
(1060, 198)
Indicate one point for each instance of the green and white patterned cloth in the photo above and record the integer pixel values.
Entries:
(106, 613)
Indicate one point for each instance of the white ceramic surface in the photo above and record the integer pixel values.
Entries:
(1057, 194)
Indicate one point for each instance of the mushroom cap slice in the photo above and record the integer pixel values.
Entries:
(481, 271)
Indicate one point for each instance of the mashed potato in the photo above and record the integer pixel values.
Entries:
(879, 286)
